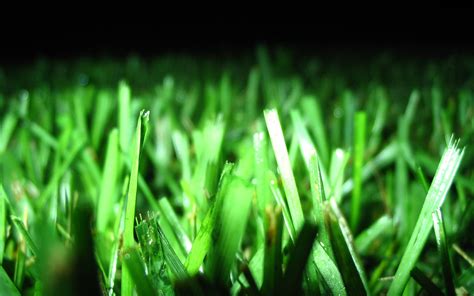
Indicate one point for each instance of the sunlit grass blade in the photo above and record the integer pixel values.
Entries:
(128, 240)
(284, 166)
(442, 242)
(442, 181)
(359, 151)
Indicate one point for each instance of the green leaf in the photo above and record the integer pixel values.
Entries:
(348, 260)
(284, 166)
(442, 242)
(128, 240)
(6, 285)
(292, 279)
(136, 270)
(359, 151)
(232, 211)
(109, 182)
(442, 181)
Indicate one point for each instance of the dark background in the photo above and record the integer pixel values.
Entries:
(420, 33)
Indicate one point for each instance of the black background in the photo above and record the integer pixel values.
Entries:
(420, 32)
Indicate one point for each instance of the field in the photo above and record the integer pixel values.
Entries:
(270, 173)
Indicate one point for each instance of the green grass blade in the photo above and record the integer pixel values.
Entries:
(339, 161)
(3, 222)
(318, 199)
(292, 279)
(128, 240)
(59, 173)
(442, 242)
(284, 166)
(123, 116)
(383, 159)
(169, 214)
(232, 211)
(272, 273)
(6, 284)
(136, 269)
(437, 193)
(425, 282)
(6, 131)
(175, 265)
(312, 113)
(201, 243)
(366, 239)
(24, 232)
(359, 151)
(329, 272)
(348, 260)
(103, 110)
(109, 181)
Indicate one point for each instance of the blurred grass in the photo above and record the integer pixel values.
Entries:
(246, 170)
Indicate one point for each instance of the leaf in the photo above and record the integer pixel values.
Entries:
(441, 241)
(6, 284)
(128, 240)
(292, 279)
(434, 200)
(284, 166)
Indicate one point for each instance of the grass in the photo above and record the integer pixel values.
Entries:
(268, 174)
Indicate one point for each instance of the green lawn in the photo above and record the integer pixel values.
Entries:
(268, 173)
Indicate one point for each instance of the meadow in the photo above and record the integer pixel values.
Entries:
(269, 173)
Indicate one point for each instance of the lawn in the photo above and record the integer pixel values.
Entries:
(266, 173)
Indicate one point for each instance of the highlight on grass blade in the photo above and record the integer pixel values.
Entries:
(442, 181)
(128, 240)
(284, 166)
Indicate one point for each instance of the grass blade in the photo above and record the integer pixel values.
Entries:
(232, 210)
(135, 268)
(109, 180)
(3, 222)
(425, 282)
(442, 243)
(348, 261)
(292, 280)
(128, 240)
(366, 238)
(359, 149)
(434, 200)
(6, 285)
(284, 166)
